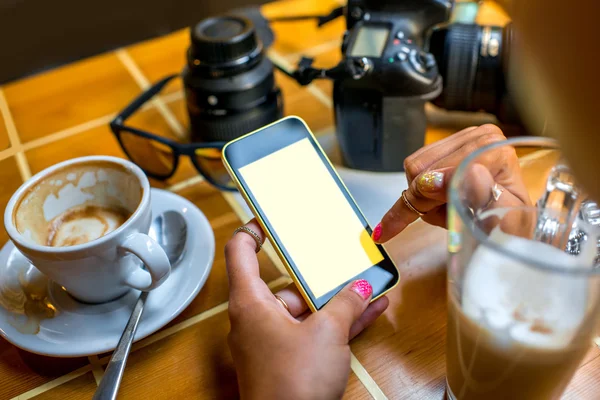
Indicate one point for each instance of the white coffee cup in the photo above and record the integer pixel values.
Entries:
(84, 223)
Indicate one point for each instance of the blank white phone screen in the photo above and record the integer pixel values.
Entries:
(311, 216)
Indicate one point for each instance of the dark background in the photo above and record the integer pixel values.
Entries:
(36, 35)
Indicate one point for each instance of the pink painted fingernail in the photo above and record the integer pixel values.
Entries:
(431, 181)
(362, 288)
(377, 232)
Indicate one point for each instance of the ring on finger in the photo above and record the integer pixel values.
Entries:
(282, 301)
(410, 206)
(250, 232)
(497, 192)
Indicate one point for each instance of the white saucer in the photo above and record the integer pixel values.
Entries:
(82, 329)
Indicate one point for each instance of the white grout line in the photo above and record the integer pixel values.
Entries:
(190, 322)
(185, 184)
(13, 137)
(97, 369)
(237, 208)
(7, 153)
(94, 361)
(315, 51)
(366, 379)
(281, 281)
(321, 96)
(358, 369)
(144, 84)
(223, 220)
(65, 133)
(81, 128)
(54, 383)
(174, 329)
(171, 97)
(137, 74)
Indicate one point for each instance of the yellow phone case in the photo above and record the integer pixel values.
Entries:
(263, 225)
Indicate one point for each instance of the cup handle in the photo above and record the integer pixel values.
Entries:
(153, 256)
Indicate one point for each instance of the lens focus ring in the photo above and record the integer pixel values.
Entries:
(463, 56)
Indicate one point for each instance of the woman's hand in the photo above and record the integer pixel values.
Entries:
(430, 169)
(290, 354)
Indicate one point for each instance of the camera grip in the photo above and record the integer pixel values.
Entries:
(376, 133)
(403, 130)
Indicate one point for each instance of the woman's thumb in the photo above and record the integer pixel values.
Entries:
(349, 304)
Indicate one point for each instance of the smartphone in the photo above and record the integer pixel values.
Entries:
(306, 211)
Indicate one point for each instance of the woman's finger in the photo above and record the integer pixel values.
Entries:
(346, 307)
(303, 316)
(437, 217)
(242, 265)
(293, 299)
(426, 193)
(501, 162)
(372, 312)
(485, 194)
(422, 159)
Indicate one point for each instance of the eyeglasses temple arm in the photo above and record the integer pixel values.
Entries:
(141, 99)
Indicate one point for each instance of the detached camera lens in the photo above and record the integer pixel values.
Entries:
(229, 83)
(472, 60)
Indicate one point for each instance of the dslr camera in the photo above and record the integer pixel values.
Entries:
(397, 56)
(410, 54)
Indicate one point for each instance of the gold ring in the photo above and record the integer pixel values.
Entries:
(410, 206)
(282, 301)
(251, 233)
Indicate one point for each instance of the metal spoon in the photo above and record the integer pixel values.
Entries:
(170, 232)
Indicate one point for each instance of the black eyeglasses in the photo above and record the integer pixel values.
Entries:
(158, 157)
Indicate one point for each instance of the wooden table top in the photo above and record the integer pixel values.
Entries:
(64, 113)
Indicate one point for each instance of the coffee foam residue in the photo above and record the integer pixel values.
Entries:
(102, 175)
(24, 293)
(96, 183)
(83, 224)
(67, 197)
(520, 303)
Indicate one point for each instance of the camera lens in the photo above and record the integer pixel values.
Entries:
(472, 60)
(229, 85)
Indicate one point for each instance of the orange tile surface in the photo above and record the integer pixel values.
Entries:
(404, 350)
(21, 371)
(286, 33)
(163, 56)
(4, 142)
(69, 96)
(355, 389)
(101, 141)
(78, 389)
(224, 222)
(98, 141)
(10, 181)
(194, 361)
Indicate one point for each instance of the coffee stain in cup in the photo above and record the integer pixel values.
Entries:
(24, 293)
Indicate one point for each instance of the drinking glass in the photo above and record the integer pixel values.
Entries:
(523, 287)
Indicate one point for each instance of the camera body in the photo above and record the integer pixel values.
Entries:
(380, 116)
